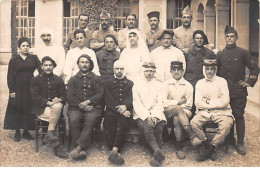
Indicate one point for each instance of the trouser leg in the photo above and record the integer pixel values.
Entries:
(147, 130)
(54, 115)
(75, 123)
(197, 126)
(110, 125)
(178, 130)
(158, 130)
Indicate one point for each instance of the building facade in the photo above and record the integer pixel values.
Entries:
(30, 16)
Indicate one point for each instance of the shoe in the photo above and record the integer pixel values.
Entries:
(28, 136)
(241, 149)
(213, 153)
(58, 151)
(180, 154)
(158, 155)
(82, 155)
(115, 158)
(154, 163)
(17, 136)
(195, 141)
(204, 152)
(75, 153)
(49, 137)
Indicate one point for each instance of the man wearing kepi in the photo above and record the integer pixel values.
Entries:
(232, 62)
(155, 32)
(177, 102)
(118, 114)
(183, 34)
(84, 94)
(49, 95)
(148, 111)
(212, 103)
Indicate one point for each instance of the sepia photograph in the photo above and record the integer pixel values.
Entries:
(129, 83)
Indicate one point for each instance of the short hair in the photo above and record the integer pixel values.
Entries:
(130, 15)
(83, 15)
(47, 58)
(89, 59)
(23, 39)
(78, 31)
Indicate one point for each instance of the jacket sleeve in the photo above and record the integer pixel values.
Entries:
(11, 77)
(37, 99)
(128, 102)
(253, 69)
(99, 92)
(71, 94)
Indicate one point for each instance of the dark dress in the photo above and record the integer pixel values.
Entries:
(20, 73)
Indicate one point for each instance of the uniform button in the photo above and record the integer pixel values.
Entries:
(120, 99)
(85, 93)
(84, 89)
(120, 94)
(120, 89)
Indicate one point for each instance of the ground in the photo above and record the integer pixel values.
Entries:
(23, 154)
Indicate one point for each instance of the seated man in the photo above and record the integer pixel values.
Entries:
(177, 101)
(148, 111)
(84, 93)
(212, 103)
(118, 118)
(49, 95)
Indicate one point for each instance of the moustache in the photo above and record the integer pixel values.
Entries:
(46, 40)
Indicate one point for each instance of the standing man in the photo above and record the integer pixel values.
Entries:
(97, 41)
(148, 111)
(71, 42)
(106, 57)
(212, 103)
(51, 49)
(163, 55)
(232, 62)
(70, 67)
(118, 114)
(177, 101)
(155, 32)
(84, 94)
(49, 95)
(183, 34)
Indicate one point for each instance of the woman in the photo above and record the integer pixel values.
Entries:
(135, 53)
(20, 73)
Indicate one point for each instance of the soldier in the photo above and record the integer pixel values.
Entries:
(212, 103)
(97, 42)
(84, 95)
(118, 114)
(183, 34)
(148, 111)
(49, 95)
(153, 34)
(232, 62)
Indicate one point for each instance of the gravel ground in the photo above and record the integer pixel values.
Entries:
(22, 154)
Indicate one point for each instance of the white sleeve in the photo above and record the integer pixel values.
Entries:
(140, 110)
(94, 59)
(60, 62)
(68, 67)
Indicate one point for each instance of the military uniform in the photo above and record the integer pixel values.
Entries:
(183, 37)
(153, 34)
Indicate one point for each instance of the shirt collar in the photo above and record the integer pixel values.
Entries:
(172, 81)
(194, 51)
(170, 47)
(80, 75)
(115, 81)
(154, 31)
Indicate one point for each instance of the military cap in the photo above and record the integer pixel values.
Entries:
(187, 10)
(104, 14)
(113, 37)
(176, 64)
(203, 35)
(153, 14)
(148, 64)
(166, 32)
(47, 58)
(230, 29)
(210, 60)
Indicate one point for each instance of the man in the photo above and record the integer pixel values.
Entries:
(49, 95)
(195, 56)
(84, 96)
(177, 101)
(97, 41)
(71, 42)
(232, 62)
(51, 49)
(212, 103)
(106, 57)
(163, 55)
(123, 33)
(183, 34)
(148, 111)
(70, 67)
(118, 114)
(153, 34)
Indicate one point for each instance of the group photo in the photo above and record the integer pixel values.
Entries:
(129, 83)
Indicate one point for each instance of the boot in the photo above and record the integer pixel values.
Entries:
(155, 163)
(75, 153)
(17, 136)
(195, 141)
(58, 151)
(179, 150)
(204, 152)
(115, 158)
(82, 155)
(213, 153)
(27, 135)
(49, 137)
(241, 149)
(159, 156)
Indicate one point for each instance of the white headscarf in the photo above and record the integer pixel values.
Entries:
(120, 63)
(204, 73)
(140, 43)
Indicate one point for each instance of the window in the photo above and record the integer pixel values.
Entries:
(72, 9)
(25, 19)
(174, 12)
(123, 9)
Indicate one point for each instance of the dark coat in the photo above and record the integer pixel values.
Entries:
(19, 76)
(118, 92)
(232, 62)
(44, 88)
(82, 88)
